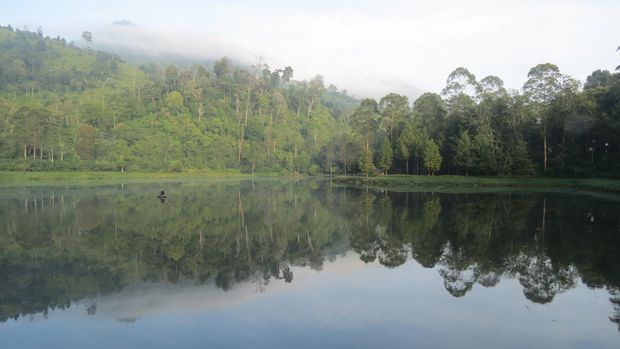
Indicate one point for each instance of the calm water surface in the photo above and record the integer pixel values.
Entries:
(298, 264)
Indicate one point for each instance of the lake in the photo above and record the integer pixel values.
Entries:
(305, 264)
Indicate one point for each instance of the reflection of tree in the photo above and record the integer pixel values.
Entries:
(458, 272)
(365, 240)
(488, 279)
(92, 309)
(541, 281)
(427, 242)
(91, 242)
(615, 300)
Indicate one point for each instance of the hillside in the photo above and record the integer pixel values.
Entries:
(64, 107)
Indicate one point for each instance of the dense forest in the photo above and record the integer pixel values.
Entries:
(63, 107)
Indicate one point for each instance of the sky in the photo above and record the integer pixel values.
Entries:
(369, 48)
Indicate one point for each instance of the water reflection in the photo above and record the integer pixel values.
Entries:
(61, 245)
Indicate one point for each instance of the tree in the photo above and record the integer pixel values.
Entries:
(365, 163)
(385, 156)
(430, 112)
(394, 109)
(545, 82)
(464, 151)
(86, 142)
(404, 144)
(491, 85)
(460, 81)
(174, 102)
(315, 91)
(171, 78)
(287, 74)
(432, 158)
(88, 37)
(598, 78)
(364, 119)
(222, 69)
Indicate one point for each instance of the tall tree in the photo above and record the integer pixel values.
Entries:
(365, 163)
(432, 158)
(88, 37)
(545, 82)
(464, 152)
(385, 156)
(364, 120)
(404, 143)
(394, 109)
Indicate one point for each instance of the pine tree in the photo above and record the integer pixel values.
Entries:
(432, 158)
(385, 157)
(464, 151)
(404, 143)
(365, 162)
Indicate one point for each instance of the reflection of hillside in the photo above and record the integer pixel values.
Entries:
(56, 249)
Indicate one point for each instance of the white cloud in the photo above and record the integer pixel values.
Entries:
(367, 47)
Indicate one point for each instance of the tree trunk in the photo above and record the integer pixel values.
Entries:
(269, 133)
(545, 149)
(310, 103)
(240, 144)
(544, 216)
(247, 106)
(407, 160)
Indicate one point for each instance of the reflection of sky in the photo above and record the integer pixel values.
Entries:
(348, 304)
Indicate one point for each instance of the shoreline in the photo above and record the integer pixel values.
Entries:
(43, 178)
(609, 188)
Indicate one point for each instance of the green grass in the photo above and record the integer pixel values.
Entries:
(462, 183)
(15, 178)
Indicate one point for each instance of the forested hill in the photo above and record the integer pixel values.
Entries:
(64, 107)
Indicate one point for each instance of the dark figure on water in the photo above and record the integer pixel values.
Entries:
(162, 196)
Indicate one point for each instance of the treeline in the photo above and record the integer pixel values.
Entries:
(552, 126)
(64, 107)
(67, 108)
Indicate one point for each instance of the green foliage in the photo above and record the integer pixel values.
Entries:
(73, 108)
(60, 103)
(464, 152)
(174, 102)
(366, 164)
(432, 158)
(385, 156)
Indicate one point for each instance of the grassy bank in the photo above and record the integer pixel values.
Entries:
(454, 183)
(15, 178)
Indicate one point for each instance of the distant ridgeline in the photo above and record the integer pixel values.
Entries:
(66, 108)
(58, 249)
